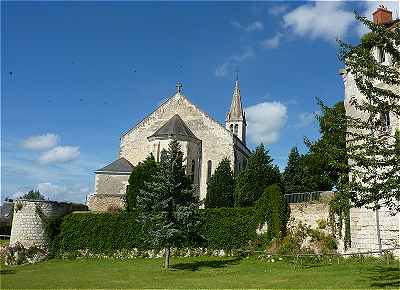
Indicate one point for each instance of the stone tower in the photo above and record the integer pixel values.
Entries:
(236, 119)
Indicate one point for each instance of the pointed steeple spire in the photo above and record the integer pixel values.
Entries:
(236, 112)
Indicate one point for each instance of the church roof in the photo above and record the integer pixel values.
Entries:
(174, 127)
(236, 112)
(120, 165)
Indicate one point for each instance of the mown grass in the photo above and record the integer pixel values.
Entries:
(204, 272)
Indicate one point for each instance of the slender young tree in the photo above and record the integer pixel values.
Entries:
(168, 206)
(221, 186)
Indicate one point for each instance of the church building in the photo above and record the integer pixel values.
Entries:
(204, 143)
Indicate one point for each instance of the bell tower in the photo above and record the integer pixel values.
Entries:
(236, 119)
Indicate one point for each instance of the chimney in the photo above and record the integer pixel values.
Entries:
(382, 15)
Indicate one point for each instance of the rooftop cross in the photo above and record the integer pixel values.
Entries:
(178, 87)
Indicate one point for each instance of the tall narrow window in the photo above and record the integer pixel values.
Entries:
(385, 119)
(209, 168)
(381, 55)
(192, 170)
(231, 128)
(236, 129)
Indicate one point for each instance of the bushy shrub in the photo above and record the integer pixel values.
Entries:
(17, 254)
(272, 208)
(303, 239)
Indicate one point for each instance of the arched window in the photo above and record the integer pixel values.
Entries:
(231, 127)
(236, 129)
(192, 170)
(209, 168)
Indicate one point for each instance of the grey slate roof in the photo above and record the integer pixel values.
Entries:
(119, 165)
(174, 127)
(236, 112)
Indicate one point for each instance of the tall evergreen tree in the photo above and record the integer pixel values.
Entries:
(252, 181)
(371, 144)
(304, 174)
(168, 206)
(293, 174)
(141, 173)
(221, 186)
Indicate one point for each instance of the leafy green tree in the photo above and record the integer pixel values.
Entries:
(168, 206)
(273, 208)
(329, 151)
(33, 195)
(221, 186)
(141, 173)
(252, 181)
(371, 145)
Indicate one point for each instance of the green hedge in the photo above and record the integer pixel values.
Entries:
(229, 228)
(98, 232)
(223, 228)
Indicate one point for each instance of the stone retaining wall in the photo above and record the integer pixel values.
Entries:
(309, 213)
(27, 226)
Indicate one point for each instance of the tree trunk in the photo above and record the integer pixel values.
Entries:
(378, 231)
(167, 254)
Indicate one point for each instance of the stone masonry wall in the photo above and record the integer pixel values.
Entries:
(309, 213)
(364, 232)
(105, 202)
(111, 183)
(27, 226)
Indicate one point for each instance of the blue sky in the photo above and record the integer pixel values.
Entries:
(75, 76)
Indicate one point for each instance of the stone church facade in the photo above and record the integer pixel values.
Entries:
(204, 143)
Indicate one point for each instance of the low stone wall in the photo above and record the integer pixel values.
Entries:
(27, 226)
(105, 202)
(309, 213)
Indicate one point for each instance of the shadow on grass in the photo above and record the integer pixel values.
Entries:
(7, 271)
(195, 266)
(385, 277)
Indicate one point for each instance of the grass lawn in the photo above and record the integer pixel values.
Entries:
(205, 272)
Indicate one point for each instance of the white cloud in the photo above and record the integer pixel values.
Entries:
(62, 193)
(326, 20)
(272, 42)
(59, 154)
(370, 7)
(277, 10)
(305, 119)
(253, 26)
(265, 121)
(41, 142)
(223, 69)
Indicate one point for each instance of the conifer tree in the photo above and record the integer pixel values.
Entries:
(252, 181)
(168, 206)
(293, 174)
(141, 173)
(221, 186)
(371, 143)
